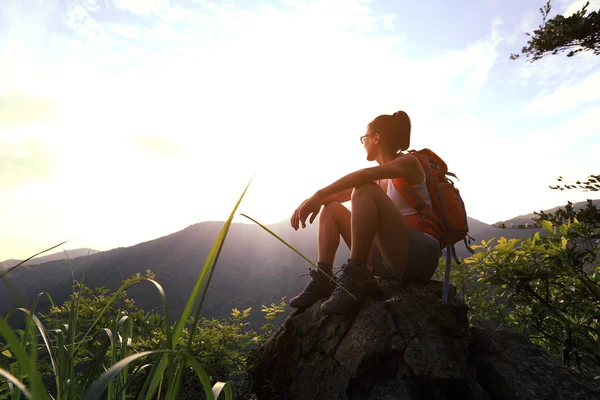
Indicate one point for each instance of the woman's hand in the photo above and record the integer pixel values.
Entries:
(294, 221)
(308, 207)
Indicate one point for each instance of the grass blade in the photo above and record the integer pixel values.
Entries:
(157, 373)
(35, 255)
(97, 363)
(43, 333)
(96, 390)
(29, 367)
(16, 382)
(205, 269)
(220, 386)
(181, 368)
(297, 252)
(131, 378)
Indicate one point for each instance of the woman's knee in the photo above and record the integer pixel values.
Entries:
(367, 189)
(330, 210)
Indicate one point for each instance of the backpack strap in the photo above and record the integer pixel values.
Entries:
(446, 287)
(410, 195)
(413, 199)
(426, 164)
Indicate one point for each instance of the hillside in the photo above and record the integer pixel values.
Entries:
(254, 269)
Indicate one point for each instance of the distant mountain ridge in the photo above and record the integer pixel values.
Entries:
(50, 257)
(528, 218)
(254, 267)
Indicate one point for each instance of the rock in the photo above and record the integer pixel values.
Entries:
(510, 367)
(414, 346)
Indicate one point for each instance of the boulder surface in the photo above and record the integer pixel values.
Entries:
(413, 346)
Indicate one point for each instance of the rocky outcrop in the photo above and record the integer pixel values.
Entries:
(413, 346)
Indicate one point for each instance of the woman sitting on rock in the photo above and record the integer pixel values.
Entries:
(382, 230)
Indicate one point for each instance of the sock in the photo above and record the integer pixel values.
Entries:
(325, 267)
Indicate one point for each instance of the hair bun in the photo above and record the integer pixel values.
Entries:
(394, 130)
(403, 116)
(403, 126)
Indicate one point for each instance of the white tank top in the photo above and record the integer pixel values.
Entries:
(404, 207)
(399, 201)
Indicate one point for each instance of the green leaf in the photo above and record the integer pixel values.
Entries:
(7, 353)
(564, 229)
(547, 226)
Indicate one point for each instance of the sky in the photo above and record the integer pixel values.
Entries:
(125, 120)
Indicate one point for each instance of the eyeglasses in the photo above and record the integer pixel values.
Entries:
(362, 139)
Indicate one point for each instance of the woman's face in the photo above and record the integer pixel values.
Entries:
(370, 142)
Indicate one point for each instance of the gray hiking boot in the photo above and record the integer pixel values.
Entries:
(356, 279)
(319, 286)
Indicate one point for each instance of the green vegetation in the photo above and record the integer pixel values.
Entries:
(102, 346)
(222, 345)
(546, 286)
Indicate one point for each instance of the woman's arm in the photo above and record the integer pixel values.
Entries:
(406, 166)
(340, 197)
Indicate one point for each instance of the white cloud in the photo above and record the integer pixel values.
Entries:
(132, 32)
(143, 7)
(553, 71)
(78, 19)
(178, 14)
(567, 96)
(571, 7)
(529, 22)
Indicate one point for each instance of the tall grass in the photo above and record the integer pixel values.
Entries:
(27, 353)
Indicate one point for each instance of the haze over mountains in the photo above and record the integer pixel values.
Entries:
(254, 267)
(60, 255)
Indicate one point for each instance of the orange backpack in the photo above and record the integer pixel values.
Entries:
(448, 212)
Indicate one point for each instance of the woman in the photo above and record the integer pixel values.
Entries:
(382, 230)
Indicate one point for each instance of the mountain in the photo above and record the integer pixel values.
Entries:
(50, 257)
(528, 218)
(254, 267)
(6, 264)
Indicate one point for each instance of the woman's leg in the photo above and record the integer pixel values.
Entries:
(374, 217)
(334, 220)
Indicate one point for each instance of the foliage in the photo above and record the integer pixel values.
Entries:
(591, 185)
(222, 345)
(575, 33)
(589, 215)
(547, 286)
(41, 363)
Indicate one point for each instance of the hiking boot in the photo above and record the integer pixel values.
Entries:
(319, 286)
(356, 279)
